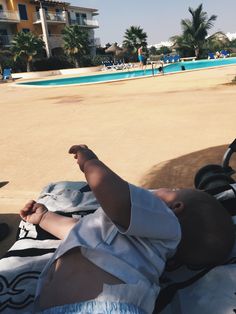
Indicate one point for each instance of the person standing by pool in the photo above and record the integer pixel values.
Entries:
(141, 56)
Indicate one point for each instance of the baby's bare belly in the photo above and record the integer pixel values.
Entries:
(73, 278)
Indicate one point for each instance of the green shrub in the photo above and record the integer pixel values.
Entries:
(99, 59)
(85, 61)
(16, 66)
(52, 63)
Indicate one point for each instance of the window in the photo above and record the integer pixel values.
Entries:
(25, 30)
(23, 12)
(83, 18)
(1, 7)
(4, 40)
(77, 17)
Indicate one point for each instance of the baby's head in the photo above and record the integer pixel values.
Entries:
(207, 228)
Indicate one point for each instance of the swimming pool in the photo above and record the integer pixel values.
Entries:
(116, 76)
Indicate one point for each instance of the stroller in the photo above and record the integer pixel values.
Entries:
(212, 289)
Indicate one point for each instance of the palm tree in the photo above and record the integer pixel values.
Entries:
(195, 30)
(26, 45)
(183, 45)
(76, 42)
(134, 38)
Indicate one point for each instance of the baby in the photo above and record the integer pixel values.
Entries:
(110, 261)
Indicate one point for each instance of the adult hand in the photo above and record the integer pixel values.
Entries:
(33, 212)
(83, 154)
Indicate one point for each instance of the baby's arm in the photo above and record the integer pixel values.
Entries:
(111, 191)
(53, 223)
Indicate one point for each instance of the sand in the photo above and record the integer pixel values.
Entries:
(135, 127)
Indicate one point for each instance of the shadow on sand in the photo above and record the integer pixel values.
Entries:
(180, 172)
(13, 221)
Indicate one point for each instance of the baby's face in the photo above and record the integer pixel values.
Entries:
(169, 196)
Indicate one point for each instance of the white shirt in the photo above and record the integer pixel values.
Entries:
(136, 256)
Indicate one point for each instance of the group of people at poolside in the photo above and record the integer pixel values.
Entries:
(110, 261)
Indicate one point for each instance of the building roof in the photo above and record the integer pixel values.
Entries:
(83, 9)
(50, 2)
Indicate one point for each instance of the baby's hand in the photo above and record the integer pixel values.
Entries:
(33, 212)
(82, 153)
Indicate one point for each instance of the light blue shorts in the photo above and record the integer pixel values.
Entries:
(140, 58)
(95, 307)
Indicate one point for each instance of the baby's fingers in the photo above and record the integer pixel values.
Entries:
(26, 210)
(76, 148)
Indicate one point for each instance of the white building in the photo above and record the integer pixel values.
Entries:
(84, 17)
(161, 44)
(231, 36)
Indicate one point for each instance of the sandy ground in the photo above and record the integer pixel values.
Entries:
(153, 131)
(131, 125)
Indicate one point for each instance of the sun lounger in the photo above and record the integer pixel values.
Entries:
(107, 65)
(224, 53)
(166, 59)
(7, 74)
(211, 55)
(176, 58)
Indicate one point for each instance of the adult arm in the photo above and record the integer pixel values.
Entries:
(111, 191)
(38, 214)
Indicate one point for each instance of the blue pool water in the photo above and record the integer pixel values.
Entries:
(115, 76)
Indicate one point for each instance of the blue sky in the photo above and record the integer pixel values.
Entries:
(159, 19)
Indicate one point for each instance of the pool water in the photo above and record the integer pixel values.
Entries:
(193, 65)
(116, 76)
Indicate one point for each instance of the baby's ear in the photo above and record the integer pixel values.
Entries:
(177, 207)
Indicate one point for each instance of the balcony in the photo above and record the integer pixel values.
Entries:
(5, 40)
(9, 17)
(85, 23)
(51, 17)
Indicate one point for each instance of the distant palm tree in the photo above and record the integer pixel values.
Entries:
(134, 38)
(182, 44)
(26, 46)
(76, 42)
(195, 30)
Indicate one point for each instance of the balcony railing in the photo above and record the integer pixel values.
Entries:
(51, 17)
(9, 16)
(5, 40)
(85, 23)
